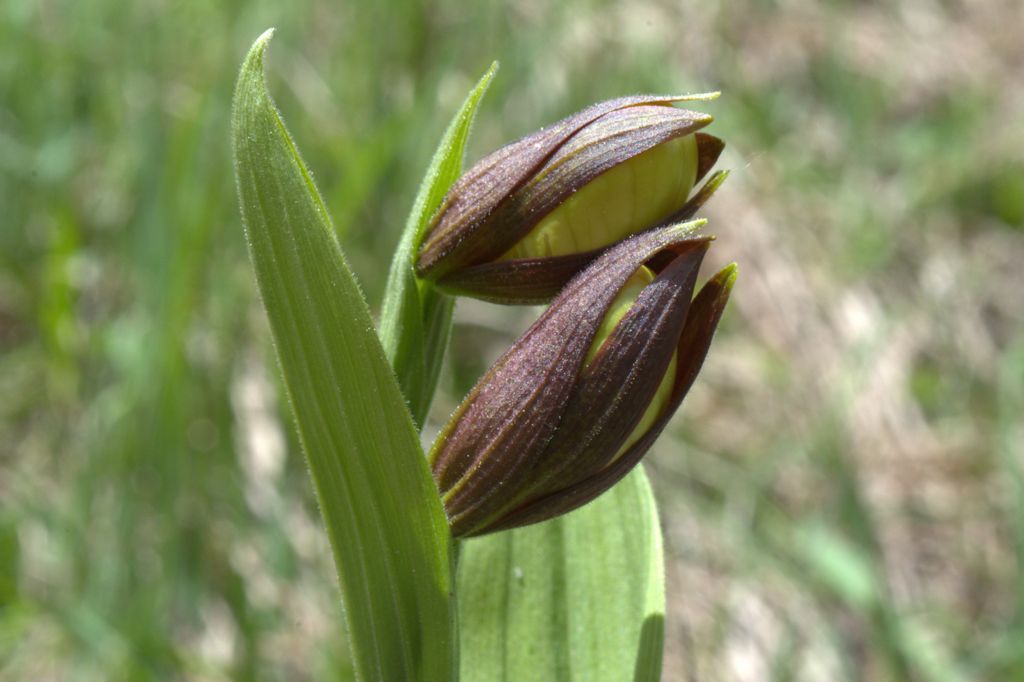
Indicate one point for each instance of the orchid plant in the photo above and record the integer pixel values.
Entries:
(526, 545)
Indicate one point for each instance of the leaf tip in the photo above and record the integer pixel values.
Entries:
(266, 36)
(483, 84)
(254, 59)
(250, 89)
(260, 44)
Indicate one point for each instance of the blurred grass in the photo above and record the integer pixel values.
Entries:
(843, 491)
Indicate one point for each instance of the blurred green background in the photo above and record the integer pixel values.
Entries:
(842, 493)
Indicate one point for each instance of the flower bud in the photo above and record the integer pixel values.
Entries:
(574, 404)
(524, 220)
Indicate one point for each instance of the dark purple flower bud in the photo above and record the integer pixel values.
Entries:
(572, 407)
(525, 219)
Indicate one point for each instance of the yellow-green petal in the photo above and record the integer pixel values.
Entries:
(632, 196)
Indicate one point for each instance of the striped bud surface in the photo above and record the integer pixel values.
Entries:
(579, 398)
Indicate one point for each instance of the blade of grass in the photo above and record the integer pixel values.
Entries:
(381, 510)
(415, 317)
(580, 597)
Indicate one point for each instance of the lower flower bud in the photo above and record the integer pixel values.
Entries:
(579, 399)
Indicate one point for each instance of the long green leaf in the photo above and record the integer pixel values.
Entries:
(416, 318)
(382, 513)
(580, 597)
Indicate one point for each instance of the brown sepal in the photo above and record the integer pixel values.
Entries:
(702, 320)
(614, 390)
(491, 444)
(709, 148)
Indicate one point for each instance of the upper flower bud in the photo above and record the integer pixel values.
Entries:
(520, 223)
(576, 402)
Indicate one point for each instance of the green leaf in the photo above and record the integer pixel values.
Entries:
(580, 597)
(381, 510)
(416, 318)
